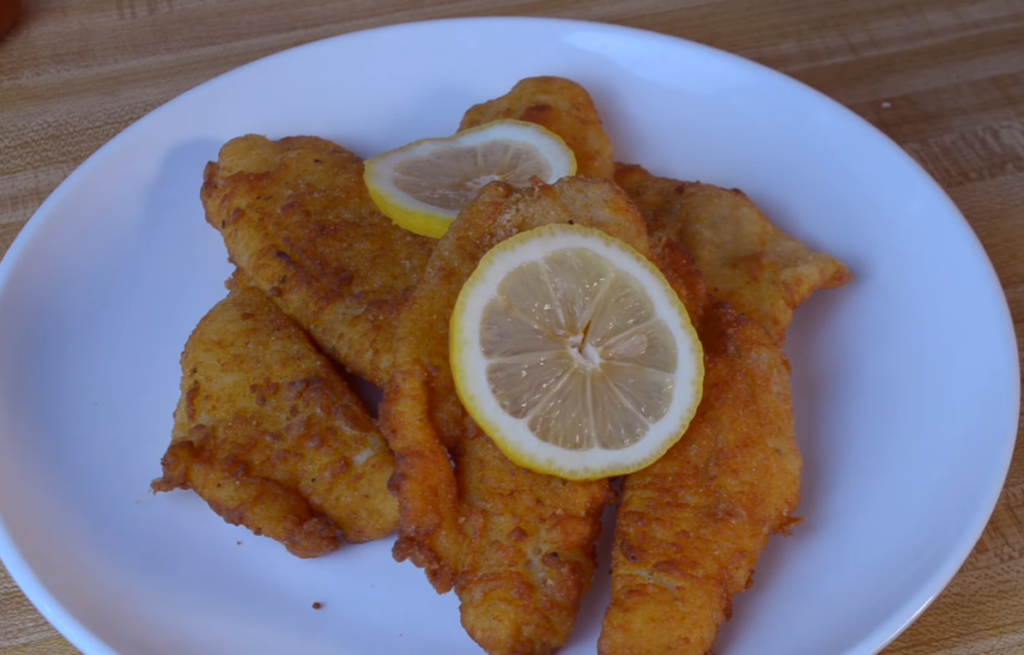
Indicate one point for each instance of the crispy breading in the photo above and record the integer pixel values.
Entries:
(241, 497)
(560, 105)
(745, 259)
(268, 433)
(517, 546)
(297, 218)
(691, 526)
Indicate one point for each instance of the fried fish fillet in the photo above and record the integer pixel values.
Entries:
(560, 105)
(745, 259)
(297, 219)
(691, 526)
(267, 432)
(517, 546)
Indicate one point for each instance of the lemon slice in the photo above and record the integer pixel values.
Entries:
(573, 353)
(422, 186)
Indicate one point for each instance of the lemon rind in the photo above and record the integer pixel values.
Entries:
(469, 372)
(431, 221)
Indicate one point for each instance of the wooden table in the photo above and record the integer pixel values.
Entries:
(945, 79)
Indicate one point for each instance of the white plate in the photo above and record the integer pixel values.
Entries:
(905, 382)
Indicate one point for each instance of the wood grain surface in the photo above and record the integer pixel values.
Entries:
(945, 79)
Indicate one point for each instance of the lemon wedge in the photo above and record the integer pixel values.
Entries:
(422, 186)
(573, 353)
